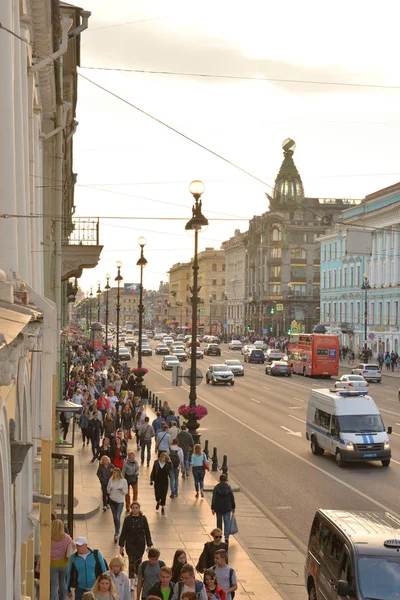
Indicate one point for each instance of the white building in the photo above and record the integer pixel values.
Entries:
(235, 285)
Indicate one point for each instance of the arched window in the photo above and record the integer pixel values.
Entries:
(317, 255)
(298, 253)
(276, 232)
(324, 281)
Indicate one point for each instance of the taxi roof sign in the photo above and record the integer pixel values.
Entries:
(392, 543)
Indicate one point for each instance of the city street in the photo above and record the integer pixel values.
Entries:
(259, 423)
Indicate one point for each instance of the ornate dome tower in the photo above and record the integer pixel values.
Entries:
(288, 185)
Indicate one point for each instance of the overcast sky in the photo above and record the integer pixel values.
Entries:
(128, 165)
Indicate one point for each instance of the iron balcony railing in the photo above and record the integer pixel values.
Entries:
(81, 232)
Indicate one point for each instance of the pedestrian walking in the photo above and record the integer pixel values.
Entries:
(60, 549)
(223, 504)
(179, 560)
(164, 588)
(214, 591)
(157, 423)
(104, 588)
(105, 449)
(85, 565)
(127, 421)
(65, 419)
(118, 451)
(160, 478)
(163, 440)
(95, 432)
(164, 410)
(189, 584)
(135, 536)
(130, 472)
(186, 442)
(197, 463)
(226, 576)
(84, 426)
(119, 578)
(104, 473)
(109, 426)
(149, 573)
(146, 434)
(206, 558)
(117, 489)
(176, 457)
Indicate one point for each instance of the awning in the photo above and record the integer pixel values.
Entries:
(13, 319)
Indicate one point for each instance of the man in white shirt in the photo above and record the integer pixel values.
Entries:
(113, 400)
(189, 584)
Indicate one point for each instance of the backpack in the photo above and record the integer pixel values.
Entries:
(146, 562)
(73, 580)
(173, 454)
(198, 586)
(230, 580)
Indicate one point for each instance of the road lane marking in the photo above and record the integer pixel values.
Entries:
(254, 400)
(290, 432)
(397, 423)
(299, 399)
(393, 433)
(295, 407)
(395, 461)
(297, 418)
(265, 388)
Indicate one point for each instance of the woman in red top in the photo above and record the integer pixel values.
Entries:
(118, 451)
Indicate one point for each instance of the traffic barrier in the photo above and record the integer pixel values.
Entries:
(224, 468)
(214, 460)
(206, 451)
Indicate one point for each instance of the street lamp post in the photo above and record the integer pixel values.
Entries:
(289, 296)
(142, 262)
(210, 303)
(118, 279)
(87, 310)
(107, 288)
(195, 224)
(365, 286)
(98, 294)
(90, 304)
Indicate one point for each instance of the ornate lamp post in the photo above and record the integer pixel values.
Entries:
(195, 224)
(289, 296)
(118, 279)
(365, 286)
(107, 288)
(98, 294)
(142, 262)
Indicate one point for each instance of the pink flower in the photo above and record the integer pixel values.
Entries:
(196, 412)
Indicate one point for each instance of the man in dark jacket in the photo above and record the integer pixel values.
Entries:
(223, 504)
(95, 431)
(186, 443)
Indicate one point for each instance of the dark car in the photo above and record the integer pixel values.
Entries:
(278, 367)
(212, 350)
(162, 349)
(256, 356)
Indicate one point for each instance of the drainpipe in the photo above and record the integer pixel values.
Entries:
(66, 23)
(85, 14)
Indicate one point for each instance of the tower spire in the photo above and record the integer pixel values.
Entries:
(288, 184)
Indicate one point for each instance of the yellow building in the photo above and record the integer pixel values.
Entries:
(179, 306)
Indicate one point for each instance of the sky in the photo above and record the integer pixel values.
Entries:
(237, 78)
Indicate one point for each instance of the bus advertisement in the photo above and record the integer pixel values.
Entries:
(314, 354)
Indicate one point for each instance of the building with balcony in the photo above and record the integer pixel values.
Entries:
(365, 242)
(282, 263)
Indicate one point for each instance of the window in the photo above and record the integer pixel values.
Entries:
(214, 297)
(317, 255)
(371, 314)
(387, 316)
(358, 275)
(329, 279)
(351, 275)
(275, 289)
(223, 282)
(322, 418)
(335, 249)
(298, 253)
(344, 276)
(298, 273)
(214, 266)
(213, 282)
(276, 252)
(275, 272)
(351, 313)
(299, 290)
(340, 277)
(380, 322)
(396, 312)
(334, 278)
(223, 266)
(276, 232)
(297, 236)
(324, 281)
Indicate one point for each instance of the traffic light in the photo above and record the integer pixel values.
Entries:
(272, 310)
(248, 328)
(270, 328)
(289, 331)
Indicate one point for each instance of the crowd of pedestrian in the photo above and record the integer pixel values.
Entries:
(112, 417)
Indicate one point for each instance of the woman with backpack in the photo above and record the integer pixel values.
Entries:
(135, 536)
(160, 477)
(176, 456)
(198, 464)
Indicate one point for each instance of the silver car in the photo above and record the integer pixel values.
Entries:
(219, 374)
(354, 382)
(168, 362)
(370, 372)
(235, 366)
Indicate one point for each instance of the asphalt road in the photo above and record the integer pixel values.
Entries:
(259, 423)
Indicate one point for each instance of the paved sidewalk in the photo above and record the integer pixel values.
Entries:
(186, 525)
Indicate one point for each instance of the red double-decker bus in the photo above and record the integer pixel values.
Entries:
(314, 354)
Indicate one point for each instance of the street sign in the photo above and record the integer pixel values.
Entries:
(371, 336)
(293, 323)
(294, 329)
(265, 331)
(201, 310)
(226, 325)
(279, 307)
(199, 377)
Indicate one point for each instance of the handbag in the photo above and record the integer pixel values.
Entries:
(205, 463)
(130, 435)
(234, 526)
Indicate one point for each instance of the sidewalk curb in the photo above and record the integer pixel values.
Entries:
(384, 373)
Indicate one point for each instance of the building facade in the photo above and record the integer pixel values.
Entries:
(365, 242)
(235, 286)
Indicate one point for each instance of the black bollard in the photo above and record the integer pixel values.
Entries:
(225, 465)
(157, 403)
(206, 451)
(214, 460)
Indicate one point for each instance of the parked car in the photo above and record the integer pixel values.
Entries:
(162, 349)
(369, 371)
(255, 356)
(219, 374)
(168, 362)
(235, 366)
(278, 367)
(180, 355)
(356, 382)
(212, 350)
(235, 345)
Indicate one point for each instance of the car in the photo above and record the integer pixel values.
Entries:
(219, 374)
(235, 366)
(279, 367)
(129, 341)
(158, 336)
(274, 354)
(181, 337)
(213, 339)
(356, 382)
(260, 345)
(212, 350)
(369, 371)
(122, 337)
(124, 354)
(177, 346)
(161, 349)
(146, 351)
(256, 356)
(168, 340)
(150, 334)
(168, 362)
(235, 345)
(180, 355)
(199, 353)
(247, 347)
